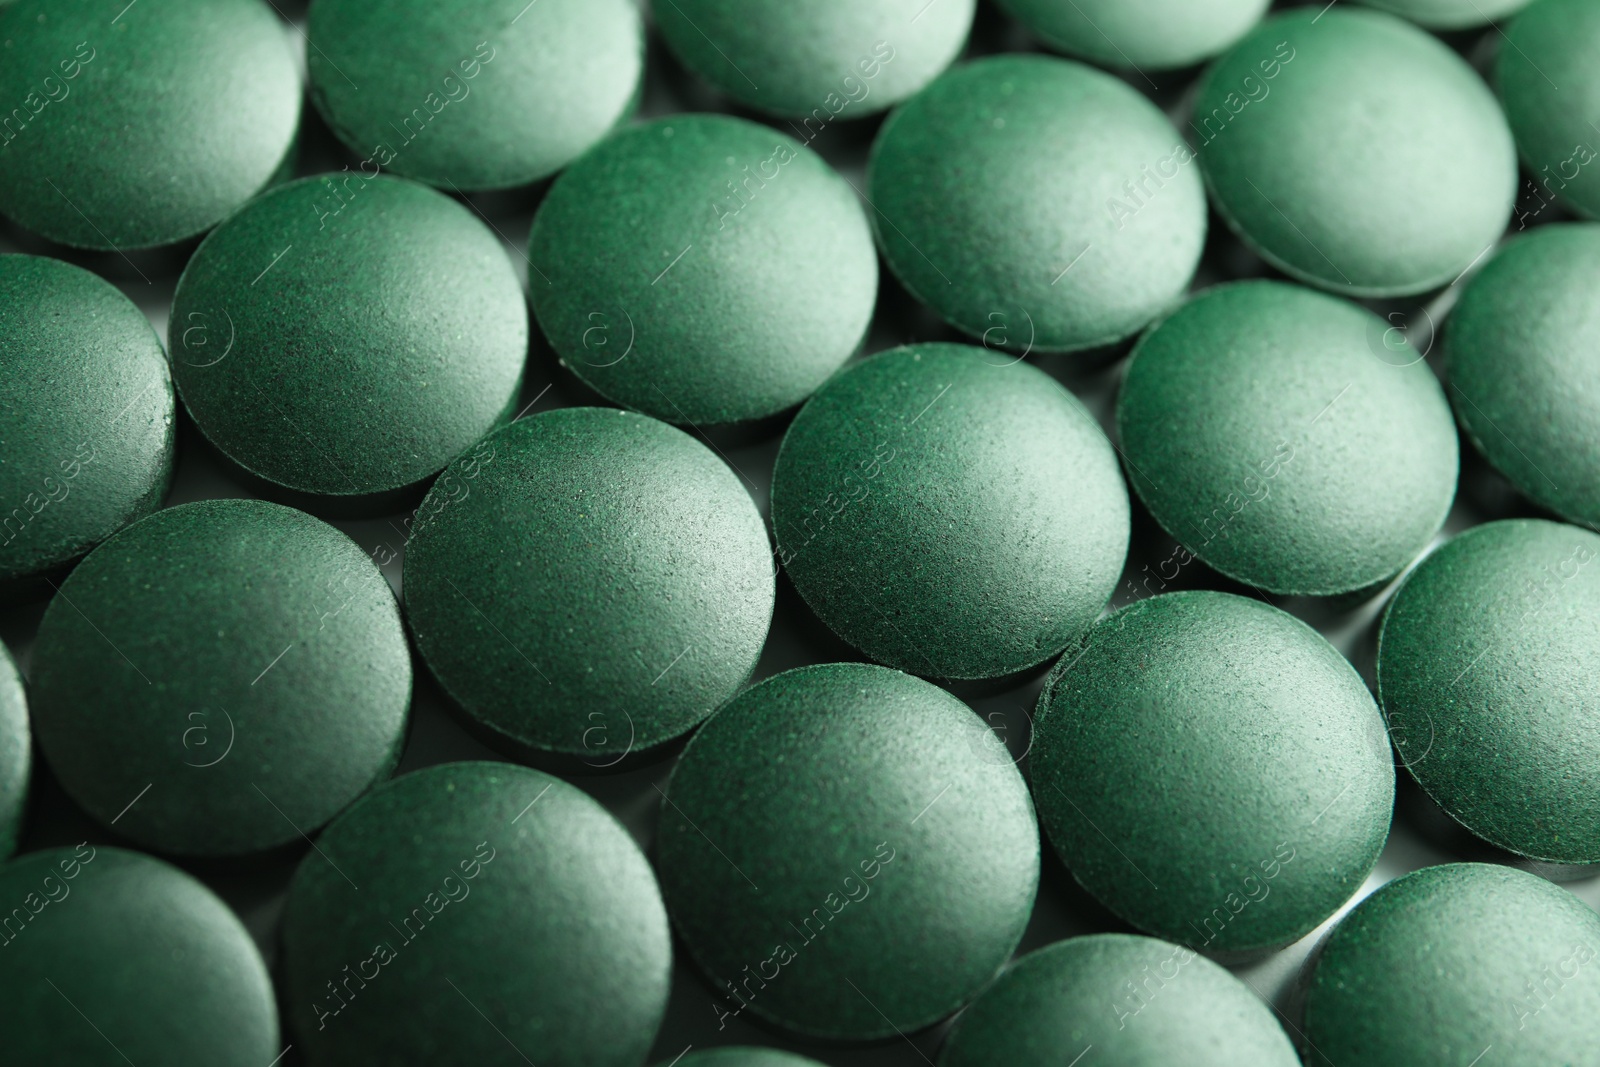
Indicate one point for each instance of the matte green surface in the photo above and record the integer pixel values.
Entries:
(1489, 672)
(140, 126)
(1450, 14)
(847, 852)
(1212, 770)
(1137, 1001)
(822, 60)
(475, 94)
(476, 913)
(112, 958)
(345, 336)
(16, 754)
(597, 588)
(220, 678)
(1138, 34)
(1290, 440)
(1457, 961)
(950, 512)
(1522, 353)
(702, 269)
(1037, 203)
(741, 1057)
(86, 407)
(1355, 151)
(1549, 85)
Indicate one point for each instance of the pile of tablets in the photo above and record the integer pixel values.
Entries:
(844, 852)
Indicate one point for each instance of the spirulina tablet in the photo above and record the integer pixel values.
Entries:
(741, 1057)
(473, 95)
(86, 407)
(702, 269)
(1450, 14)
(1455, 962)
(818, 61)
(878, 875)
(1288, 439)
(1289, 123)
(1040, 197)
(130, 126)
(598, 587)
(112, 957)
(950, 513)
(16, 754)
(1212, 770)
(221, 678)
(1134, 1000)
(1138, 35)
(347, 337)
(1488, 666)
(476, 913)
(1550, 88)
(1522, 354)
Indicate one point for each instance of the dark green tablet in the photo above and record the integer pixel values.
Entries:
(86, 409)
(1138, 35)
(1213, 771)
(847, 852)
(130, 125)
(221, 678)
(1451, 14)
(475, 913)
(1550, 89)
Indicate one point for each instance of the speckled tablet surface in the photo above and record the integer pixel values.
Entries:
(1550, 89)
(1138, 35)
(16, 754)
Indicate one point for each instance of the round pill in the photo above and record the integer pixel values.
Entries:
(1550, 89)
(1449, 962)
(950, 516)
(702, 269)
(1110, 992)
(130, 127)
(741, 1057)
(1487, 672)
(115, 957)
(16, 754)
(1289, 439)
(348, 337)
(476, 913)
(473, 94)
(847, 852)
(86, 406)
(589, 583)
(1450, 14)
(818, 61)
(1382, 166)
(221, 678)
(1037, 203)
(1138, 35)
(1213, 771)
(1522, 354)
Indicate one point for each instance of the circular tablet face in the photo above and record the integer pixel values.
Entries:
(1053, 1002)
(1489, 672)
(16, 754)
(1550, 89)
(476, 913)
(848, 852)
(141, 126)
(1447, 962)
(346, 336)
(1213, 771)
(589, 583)
(1382, 165)
(742, 1057)
(702, 269)
(1287, 439)
(1450, 14)
(948, 515)
(86, 410)
(1039, 196)
(115, 957)
(472, 94)
(221, 678)
(1138, 35)
(1522, 352)
(820, 61)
